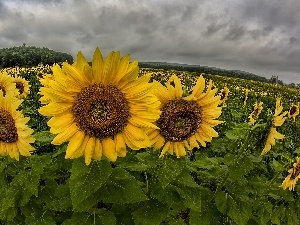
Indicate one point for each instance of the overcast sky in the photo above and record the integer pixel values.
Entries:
(258, 36)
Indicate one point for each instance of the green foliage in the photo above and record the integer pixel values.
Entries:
(25, 56)
(227, 182)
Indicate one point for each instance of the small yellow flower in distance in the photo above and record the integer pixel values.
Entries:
(291, 180)
(100, 109)
(278, 120)
(185, 121)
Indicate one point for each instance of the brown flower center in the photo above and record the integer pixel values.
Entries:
(8, 130)
(3, 90)
(223, 95)
(179, 120)
(20, 87)
(293, 109)
(101, 111)
(296, 172)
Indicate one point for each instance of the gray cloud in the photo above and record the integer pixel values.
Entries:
(259, 36)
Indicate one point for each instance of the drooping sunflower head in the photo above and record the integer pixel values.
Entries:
(185, 121)
(22, 86)
(224, 95)
(7, 87)
(15, 136)
(255, 113)
(291, 180)
(246, 96)
(293, 112)
(100, 109)
(278, 120)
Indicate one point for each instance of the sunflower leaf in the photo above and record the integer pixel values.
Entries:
(121, 188)
(100, 216)
(169, 170)
(150, 213)
(86, 180)
(43, 138)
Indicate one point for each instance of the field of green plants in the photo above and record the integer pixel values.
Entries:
(237, 178)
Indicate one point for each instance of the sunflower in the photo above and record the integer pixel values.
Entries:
(293, 112)
(7, 87)
(224, 95)
(277, 121)
(246, 96)
(185, 121)
(100, 109)
(256, 111)
(291, 180)
(22, 86)
(14, 134)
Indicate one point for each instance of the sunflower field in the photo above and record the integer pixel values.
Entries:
(108, 143)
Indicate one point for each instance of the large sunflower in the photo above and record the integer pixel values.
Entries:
(14, 134)
(291, 180)
(185, 121)
(100, 109)
(278, 120)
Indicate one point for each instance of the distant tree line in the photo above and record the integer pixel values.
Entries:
(31, 56)
(203, 69)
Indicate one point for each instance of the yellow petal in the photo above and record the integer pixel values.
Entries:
(120, 145)
(110, 67)
(55, 108)
(60, 123)
(109, 149)
(98, 150)
(165, 149)
(65, 135)
(97, 65)
(124, 63)
(89, 150)
(74, 144)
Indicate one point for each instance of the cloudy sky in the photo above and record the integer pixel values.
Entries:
(258, 36)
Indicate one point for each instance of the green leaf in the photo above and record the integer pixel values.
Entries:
(201, 218)
(202, 161)
(238, 132)
(193, 198)
(86, 180)
(169, 170)
(99, 217)
(239, 211)
(168, 195)
(123, 214)
(222, 202)
(150, 213)
(43, 138)
(121, 187)
(45, 220)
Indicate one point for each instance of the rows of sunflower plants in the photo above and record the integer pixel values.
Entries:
(107, 143)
